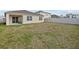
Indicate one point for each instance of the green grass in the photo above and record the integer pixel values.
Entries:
(42, 35)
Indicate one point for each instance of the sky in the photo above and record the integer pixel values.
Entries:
(52, 6)
(39, 4)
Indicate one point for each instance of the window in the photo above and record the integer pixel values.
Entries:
(29, 18)
(40, 17)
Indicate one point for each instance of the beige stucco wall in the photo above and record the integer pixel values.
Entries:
(35, 18)
(7, 19)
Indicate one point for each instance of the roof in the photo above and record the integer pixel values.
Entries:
(24, 12)
(42, 11)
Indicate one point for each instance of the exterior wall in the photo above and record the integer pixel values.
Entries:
(7, 19)
(35, 18)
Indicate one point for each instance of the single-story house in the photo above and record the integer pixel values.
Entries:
(45, 14)
(22, 17)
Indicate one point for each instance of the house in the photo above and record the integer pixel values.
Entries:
(22, 17)
(72, 15)
(55, 16)
(45, 14)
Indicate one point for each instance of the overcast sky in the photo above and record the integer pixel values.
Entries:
(39, 4)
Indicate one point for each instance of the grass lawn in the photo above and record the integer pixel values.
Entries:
(42, 35)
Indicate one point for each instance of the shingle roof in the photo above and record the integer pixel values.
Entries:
(42, 11)
(23, 11)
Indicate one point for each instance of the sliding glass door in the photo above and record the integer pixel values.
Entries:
(15, 20)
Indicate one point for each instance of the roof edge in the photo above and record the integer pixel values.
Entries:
(23, 11)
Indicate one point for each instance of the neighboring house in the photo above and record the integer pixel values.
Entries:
(22, 17)
(55, 16)
(45, 14)
(72, 15)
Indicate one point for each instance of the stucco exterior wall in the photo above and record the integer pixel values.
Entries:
(35, 19)
(7, 19)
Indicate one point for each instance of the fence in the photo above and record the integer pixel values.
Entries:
(2, 20)
(64, 20)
